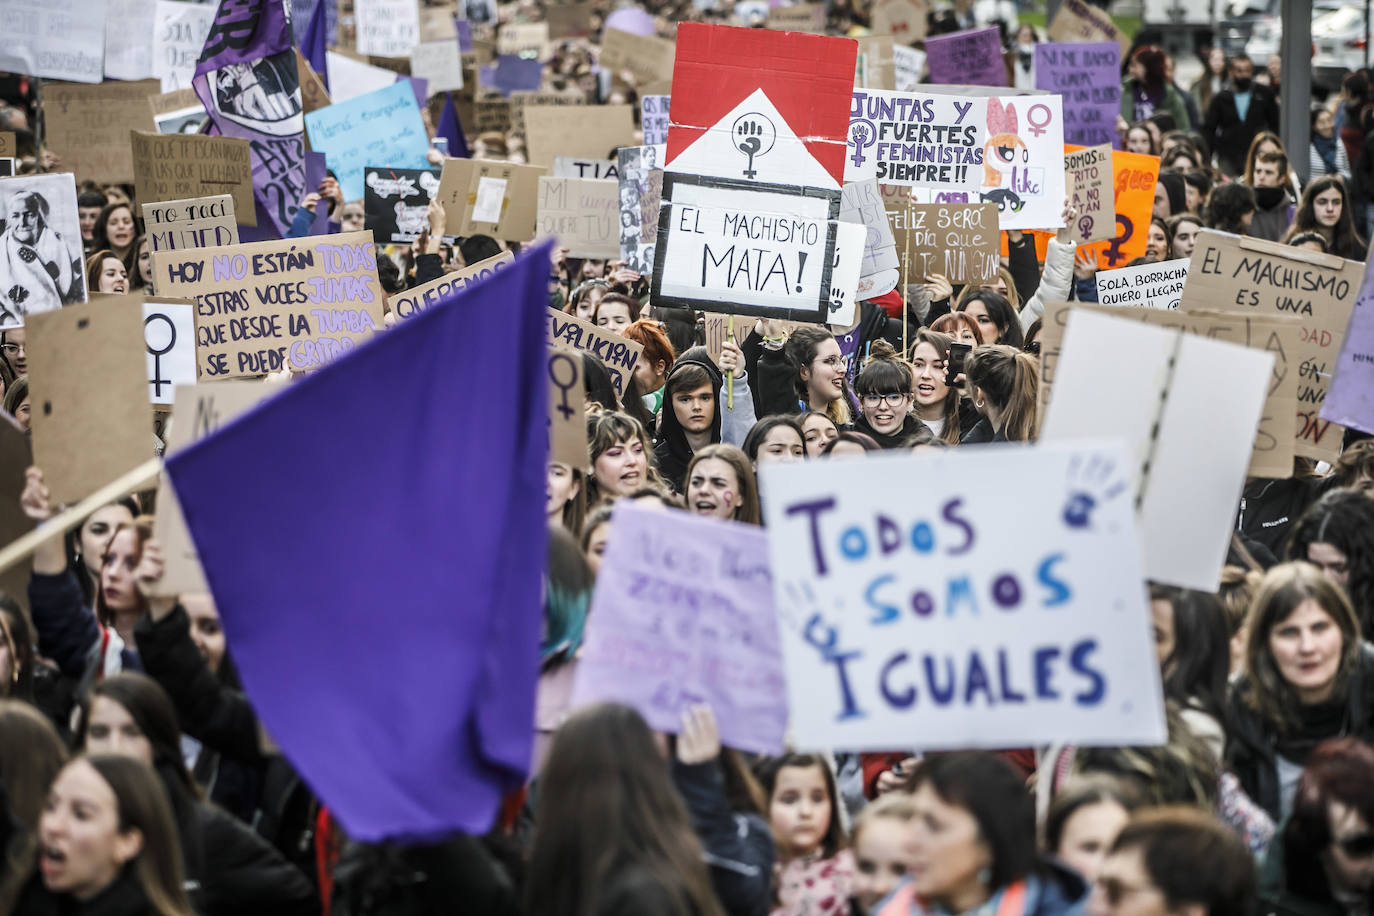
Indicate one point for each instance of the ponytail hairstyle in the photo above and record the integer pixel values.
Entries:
(1009, 379)
(800, 349)
(951, 431)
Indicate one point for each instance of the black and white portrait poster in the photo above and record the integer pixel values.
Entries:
(41, 267)
(395, 202)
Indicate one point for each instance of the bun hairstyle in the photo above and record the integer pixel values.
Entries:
(1010, 380)
(884, 372)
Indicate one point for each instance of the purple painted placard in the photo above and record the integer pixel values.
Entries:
(1087, 75)
(972, 58)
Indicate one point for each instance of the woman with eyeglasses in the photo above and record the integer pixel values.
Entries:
(12, 345)
(1322, 861)
(818, 374)
(885, 394)
(1308, 677)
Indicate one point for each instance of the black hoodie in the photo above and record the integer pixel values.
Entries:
(672, 452)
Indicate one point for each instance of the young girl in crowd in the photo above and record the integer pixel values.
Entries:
(1085, 818)
(1191, 645)
(721, 484)
(566, 501)
(959, 326)
(1325, 208)
(615, 312)
(596, 531)
(884, 387)
(654, 364)
(937, 404)
(881, 841)
(620, 452)
(812, 377)
(698, 410)
(775, 438)
(106, 273)
(814, 871)
(115, 230)
(997, 320)
(1004, 385)
(819, 431)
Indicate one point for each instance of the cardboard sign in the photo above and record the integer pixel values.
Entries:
(178, 112)
(649, 58)
(653, 119)
(803, 17)
(1349, 400)
(439, 63)
(523, 99)
(904, 20)
(641, 190)
(387, 28)
(707, 634)
(524, 39)
(569, 167)
(567, 409)
(581, 132)
(179, 33)
(88, 389)
(382, 126)
(618, 353)
(783, 123)
(515, 189)
(958, 241)
(861, 202)
(875, 67)
(1133, 198)
(583, 213)
(55, 39)
(971, 611)
(572, 20)
(200, 222)
(197, 412)
(88, 126)
(42, 266)
(396, 202)
(917, 139)
(967, 58)
(1272, 452)
(268, 306)
(1123, 379)
(492, 115)
(1079, 21)
(1090, 177)
(16, 455)
(8, 147)
(413, 301)
(1157, 286)
(1087, 77)
(181, 166)
(745, 248)
(169, 340)
(314, 95)
(1266, 278)
(909, 66)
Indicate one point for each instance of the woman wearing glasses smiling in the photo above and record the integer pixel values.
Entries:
(885, 387)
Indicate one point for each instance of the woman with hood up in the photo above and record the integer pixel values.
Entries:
(697, 409)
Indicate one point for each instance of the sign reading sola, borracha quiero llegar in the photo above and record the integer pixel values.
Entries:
(268, 306)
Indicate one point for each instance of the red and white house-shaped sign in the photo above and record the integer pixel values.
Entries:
(760, 105)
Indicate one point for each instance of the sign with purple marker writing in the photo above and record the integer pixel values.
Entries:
(969, 613)
(683, 614)
(917, 139)
(972, 58)
(268, 306)
(1087, 75)
(1350, 399)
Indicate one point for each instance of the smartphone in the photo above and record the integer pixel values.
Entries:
(954, 366)
(441, 144)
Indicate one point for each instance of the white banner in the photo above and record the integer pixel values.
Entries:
(972, 611)
(54, 39)
(1157, 286)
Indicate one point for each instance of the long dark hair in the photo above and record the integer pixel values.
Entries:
(1342, 239)
(767, 771)
(607, 807)
(14, 629)
(1195, 672)
(1002, 314)
(1345, 520)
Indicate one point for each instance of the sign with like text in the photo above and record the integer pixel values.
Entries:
(971, 612)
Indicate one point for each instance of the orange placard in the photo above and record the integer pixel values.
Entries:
(1133, 182)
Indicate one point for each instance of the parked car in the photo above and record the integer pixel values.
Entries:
(1255, 27)
(1338, 44)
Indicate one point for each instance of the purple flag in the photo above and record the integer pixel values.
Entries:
(972, 58)
(246, 79)
(315, 41)
(511, 74)
(376, 553)
(1350, 400)
(451, 128)
(315, 171)
(1087, 75)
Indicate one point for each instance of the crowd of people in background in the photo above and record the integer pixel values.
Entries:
(134, 773)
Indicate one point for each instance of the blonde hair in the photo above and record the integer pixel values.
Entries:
(894, 806)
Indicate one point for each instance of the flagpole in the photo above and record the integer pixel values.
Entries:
(906, 276)
(730, 381)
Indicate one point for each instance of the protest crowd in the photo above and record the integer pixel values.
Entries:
(884, 458)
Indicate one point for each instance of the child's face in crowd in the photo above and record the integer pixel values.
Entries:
(622, 468)
(1088, 834)
(800, 810)
(881, 854)
(781, 444)
(695, 409)
(820, 432)
(713, 489)
(561, 487)
(117, 572)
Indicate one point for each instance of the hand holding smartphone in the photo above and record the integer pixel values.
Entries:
(954, 366)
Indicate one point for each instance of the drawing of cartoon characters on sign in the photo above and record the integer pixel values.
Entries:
(1005, 149)
(1019, 142)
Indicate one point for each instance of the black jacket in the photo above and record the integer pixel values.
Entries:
(890, 440)
(1270, 508)
(261, 789)
(739, 847)
(1251, 742)
(1228, 136)
(671, 452)
(124, 897)
(241, 873)
(982, 432)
